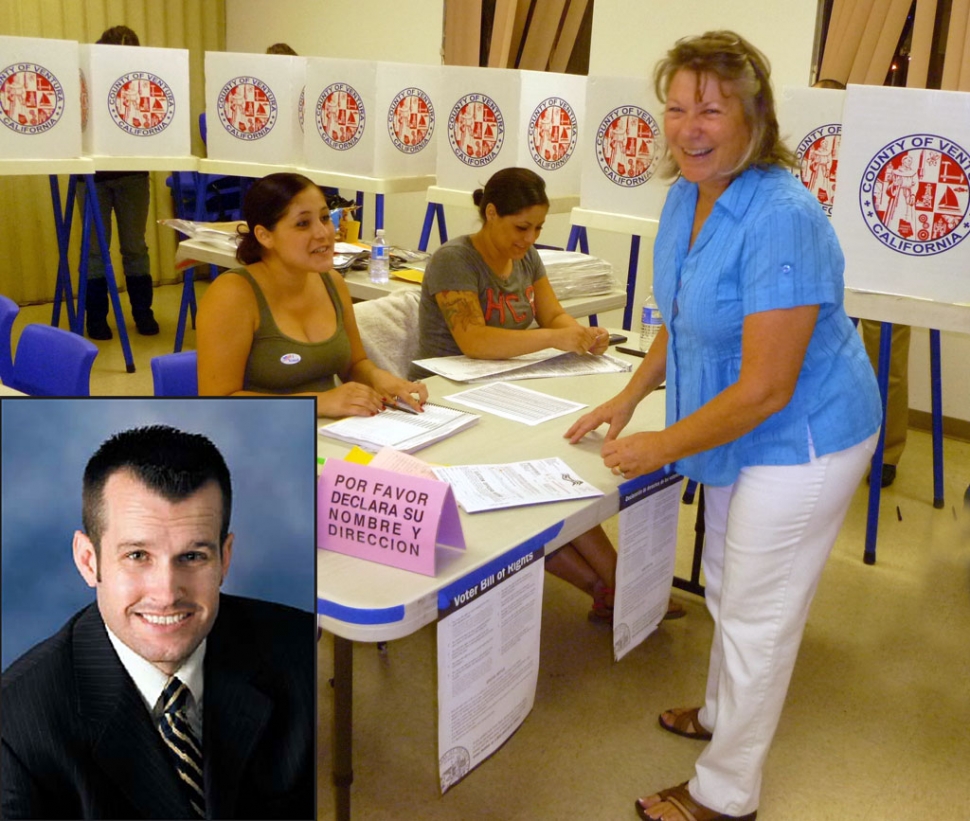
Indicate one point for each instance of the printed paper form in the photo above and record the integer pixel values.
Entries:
(515, 402)
(492, 487)
(547, 362)
(397, 429)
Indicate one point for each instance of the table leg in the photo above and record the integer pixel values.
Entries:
(359, 213)
(936, 392)
(91, 206)
(439, 209)
(62, 224)
(188, 301)
(429, 215)
(875, 469)
(693, 584)
(343, 697)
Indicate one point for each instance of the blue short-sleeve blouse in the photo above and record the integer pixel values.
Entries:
(766, 245)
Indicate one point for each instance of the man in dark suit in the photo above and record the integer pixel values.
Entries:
(165, 698)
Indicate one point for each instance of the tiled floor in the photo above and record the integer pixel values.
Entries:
(876, 727)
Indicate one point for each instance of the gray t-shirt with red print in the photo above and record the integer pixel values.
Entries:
(457, 266)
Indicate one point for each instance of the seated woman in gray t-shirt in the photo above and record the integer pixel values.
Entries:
(480, 297)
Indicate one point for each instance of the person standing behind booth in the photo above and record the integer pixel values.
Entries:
(284, 324)
(480, 296)
(164, 698)
(127, 194)
(771, 402)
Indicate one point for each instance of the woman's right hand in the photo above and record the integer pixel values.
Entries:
(576, 339)
(349, 399)
(616, 411)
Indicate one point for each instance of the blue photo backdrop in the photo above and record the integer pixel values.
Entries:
(268, 444)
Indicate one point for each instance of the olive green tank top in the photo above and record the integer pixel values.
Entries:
(280, 364)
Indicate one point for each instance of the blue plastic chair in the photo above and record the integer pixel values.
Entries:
(50, 361)
(8, 313)
(175, 374)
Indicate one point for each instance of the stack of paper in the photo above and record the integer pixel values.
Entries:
(572, 274)
(547, 362)
(399, 429)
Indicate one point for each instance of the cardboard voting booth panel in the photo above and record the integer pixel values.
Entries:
(40, 99)
(391, 518)
(810, 120)
(904, 189)
(370, 119)
(499, 118)
(137, 101)
(253, 107)
(622, 144)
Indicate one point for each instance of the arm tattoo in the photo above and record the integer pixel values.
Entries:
(458, 312)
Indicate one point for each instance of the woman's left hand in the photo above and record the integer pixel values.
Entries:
(392, 388)
(634, 455)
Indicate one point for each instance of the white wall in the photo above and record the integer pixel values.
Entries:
(629, 36)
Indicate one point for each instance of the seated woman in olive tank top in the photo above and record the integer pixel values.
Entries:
(284, 324)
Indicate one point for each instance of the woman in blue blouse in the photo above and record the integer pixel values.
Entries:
(771, 402)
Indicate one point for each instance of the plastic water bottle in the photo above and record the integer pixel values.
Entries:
(650, 322)
(379, 266)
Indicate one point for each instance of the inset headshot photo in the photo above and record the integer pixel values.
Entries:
(158, 608)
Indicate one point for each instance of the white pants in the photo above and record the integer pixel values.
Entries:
(768, 536)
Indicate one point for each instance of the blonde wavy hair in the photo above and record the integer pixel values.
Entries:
(731, 59)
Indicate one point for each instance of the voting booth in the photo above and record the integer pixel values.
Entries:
(621, 149)
(252, 104)
(369, 118)
(810, 121)
(135, 101)
(40, 99)
(499, 118)
(904, 189)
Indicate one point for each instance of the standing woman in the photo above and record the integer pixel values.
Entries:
(284, 323)
(771, 402)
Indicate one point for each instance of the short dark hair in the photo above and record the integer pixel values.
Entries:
(171, 462)
(511, 190)
(828, 82)
(119, 36)
(281, 48)
(265, 204)
(730, 58)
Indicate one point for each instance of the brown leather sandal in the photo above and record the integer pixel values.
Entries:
(686, 724)
(680, 799)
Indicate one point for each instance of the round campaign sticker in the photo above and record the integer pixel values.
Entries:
(628, 146)
(552, 133)
(84, 101)
(141, 104)
(290, 358)
(340, 116)
(476, 130)
(818, 154)
(914, 194)
(454, 766)
(410, 120)
(31, 98)
(247, 108)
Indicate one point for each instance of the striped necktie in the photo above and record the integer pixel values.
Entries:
(181, 741)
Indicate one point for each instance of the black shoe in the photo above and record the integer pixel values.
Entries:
(98, 328)
(888, 476)
(145, 323)
(96, 308)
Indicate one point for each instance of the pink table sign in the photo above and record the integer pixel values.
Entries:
(386, 517)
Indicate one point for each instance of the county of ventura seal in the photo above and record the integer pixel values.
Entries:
(818, 155)
(476, 130)
(454, 766)
(247, 108)
(31, 98)
(410, 120)
(914, 194)
(628, 146)
(340, 116)
(141, 104)
(552, 133)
